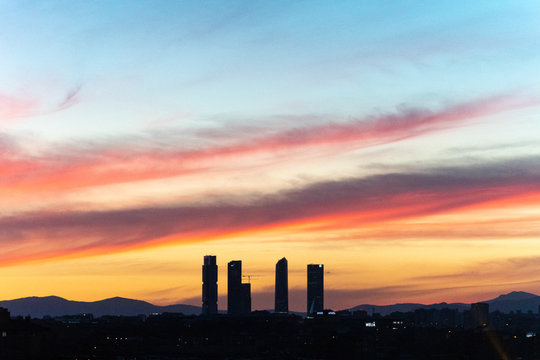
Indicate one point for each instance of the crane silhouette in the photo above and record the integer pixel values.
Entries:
(249, 276)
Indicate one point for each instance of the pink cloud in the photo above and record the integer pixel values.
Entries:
(72, 166)
(12, 107)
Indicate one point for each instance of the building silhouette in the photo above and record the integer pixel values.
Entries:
(245, 302)
(234, 287)
(315, 288)
(281, 303)
(479, 314)
(209, 287)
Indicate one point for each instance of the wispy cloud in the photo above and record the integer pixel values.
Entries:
(511, 270)
(70, 99)
(13, 107)
(16, 107)
(68, 166)
(371, 199)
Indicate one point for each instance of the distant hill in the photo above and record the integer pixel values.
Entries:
(406, 307)
(38, 307)
(514, 301)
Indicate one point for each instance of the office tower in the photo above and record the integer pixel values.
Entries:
(234, 287)
(246, 299)
(479, 314)
(315, 288)
(281, 303)
(209, 287)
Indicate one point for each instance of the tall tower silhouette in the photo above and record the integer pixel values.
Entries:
(315, 288)
(209, 287)
(234, 287)
(281, 303)
(245, 302)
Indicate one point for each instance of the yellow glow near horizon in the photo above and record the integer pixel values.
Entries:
(427, 268)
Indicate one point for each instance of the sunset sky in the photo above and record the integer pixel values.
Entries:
(396, 142)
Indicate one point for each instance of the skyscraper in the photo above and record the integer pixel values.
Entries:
(246, 299)
(234, 287)
(315, 288)
(281, 304)
(209, 287)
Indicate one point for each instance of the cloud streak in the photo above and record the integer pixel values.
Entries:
(12, 107)
(71, 98)
(369, 200)
(511, 270)
(67, 167)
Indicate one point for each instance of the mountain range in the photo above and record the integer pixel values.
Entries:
(38, 307)
(514, 301)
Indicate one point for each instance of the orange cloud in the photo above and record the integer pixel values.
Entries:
(343, 204)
